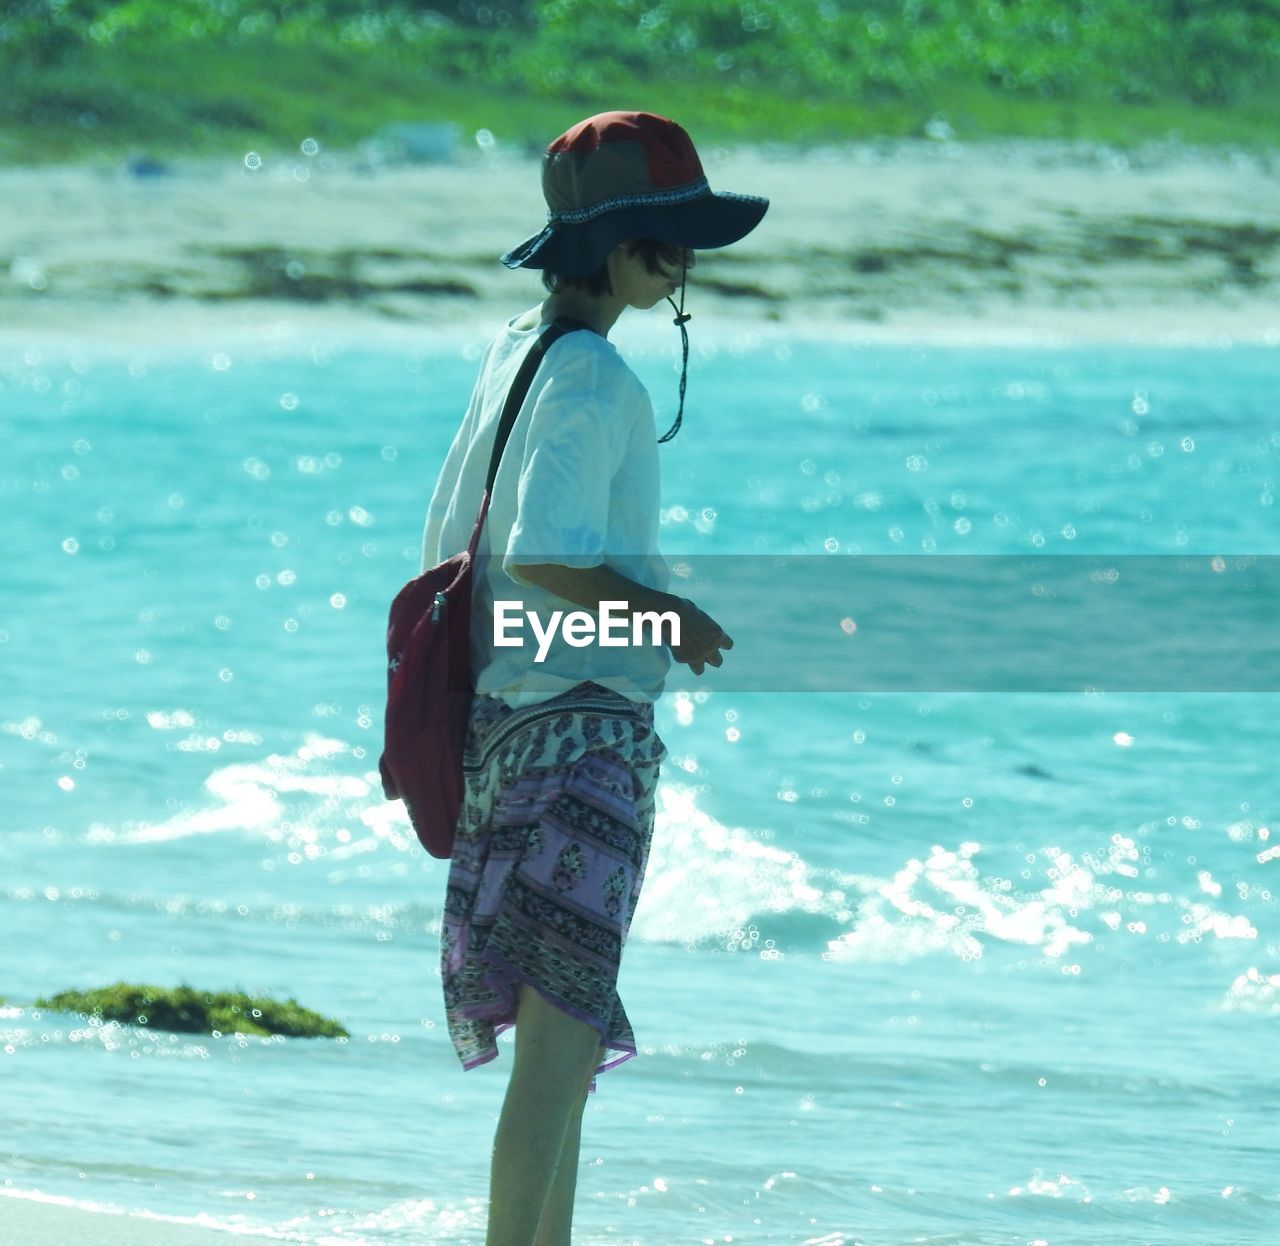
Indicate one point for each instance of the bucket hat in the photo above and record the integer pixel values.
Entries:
(621, 175)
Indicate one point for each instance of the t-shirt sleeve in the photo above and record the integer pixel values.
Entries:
(574, 447)
(442, 496)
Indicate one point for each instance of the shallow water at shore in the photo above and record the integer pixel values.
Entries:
(963, 968)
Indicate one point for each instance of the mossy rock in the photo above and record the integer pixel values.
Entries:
(186, 1010)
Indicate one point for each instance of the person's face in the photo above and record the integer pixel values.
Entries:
(637, 286)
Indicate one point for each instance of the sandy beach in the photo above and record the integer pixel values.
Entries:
(897, 239)
(56, 1222)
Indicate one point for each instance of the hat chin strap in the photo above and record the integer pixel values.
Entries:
(682, 318)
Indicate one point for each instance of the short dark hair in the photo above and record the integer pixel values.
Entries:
(652, 254)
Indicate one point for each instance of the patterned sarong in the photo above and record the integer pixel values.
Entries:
(548, 861)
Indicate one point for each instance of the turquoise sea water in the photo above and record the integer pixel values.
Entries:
(975, 968)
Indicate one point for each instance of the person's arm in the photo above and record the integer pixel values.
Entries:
(701, 637)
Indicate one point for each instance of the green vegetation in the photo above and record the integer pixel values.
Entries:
(195, 76)
(189, 1011)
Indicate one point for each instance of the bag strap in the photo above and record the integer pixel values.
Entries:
(515, 400)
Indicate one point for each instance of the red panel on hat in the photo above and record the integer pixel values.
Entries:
(668, 151)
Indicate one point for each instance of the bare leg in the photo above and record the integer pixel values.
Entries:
(555, 1227)
(555, 1054)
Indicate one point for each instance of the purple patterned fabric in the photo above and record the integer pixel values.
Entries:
(548, 862)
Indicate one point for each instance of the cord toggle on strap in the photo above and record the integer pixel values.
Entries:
(682, 318)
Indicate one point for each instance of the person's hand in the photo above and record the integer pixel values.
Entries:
(701, 638)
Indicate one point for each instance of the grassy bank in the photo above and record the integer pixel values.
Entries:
(105, 77)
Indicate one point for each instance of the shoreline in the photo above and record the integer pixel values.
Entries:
(272, 328)
(1030, 242)
(47, 1220)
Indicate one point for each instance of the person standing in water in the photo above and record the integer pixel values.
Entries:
(562, 757)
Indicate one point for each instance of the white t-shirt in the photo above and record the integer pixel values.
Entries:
(578, 485)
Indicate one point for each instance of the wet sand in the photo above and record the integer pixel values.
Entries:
(35, 1222)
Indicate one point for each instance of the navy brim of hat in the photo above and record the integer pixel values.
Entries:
(709, 221)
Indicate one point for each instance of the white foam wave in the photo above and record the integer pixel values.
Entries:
(247, 796)
(709, 881)
(1254, 992)
(705, 879)
(944, 902)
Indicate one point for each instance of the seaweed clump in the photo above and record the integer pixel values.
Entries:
(186, 1010)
